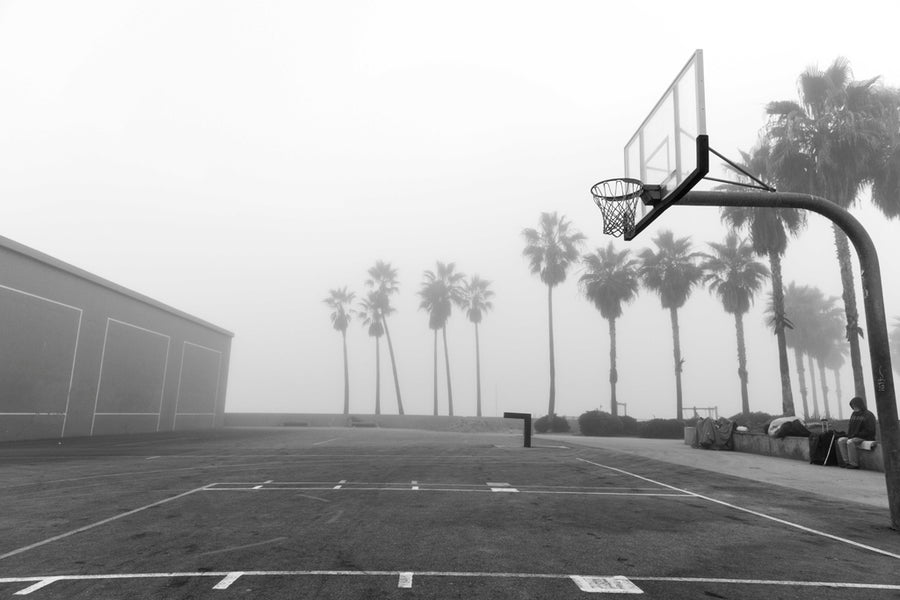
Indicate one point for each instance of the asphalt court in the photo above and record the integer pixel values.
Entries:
(351, 513)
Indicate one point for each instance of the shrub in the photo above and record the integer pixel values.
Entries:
(629, 425)
(670, 429)
(551, 423)
(595, 422)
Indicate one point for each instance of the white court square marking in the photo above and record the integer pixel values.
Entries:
(606, 585)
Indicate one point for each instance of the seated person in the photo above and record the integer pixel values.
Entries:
(861, 429)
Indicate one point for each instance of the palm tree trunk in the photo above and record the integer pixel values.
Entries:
(787, 395)
(824, 382)
(676, 351)
(812, 385)
(447, 363)
(613, 373)
(387, 334)
(742, 363)
(377, 375)
(801, 376)
(435, 374)
(840, 396)
(552, 410)
(850, 310)
(477, 373)
(346, 375)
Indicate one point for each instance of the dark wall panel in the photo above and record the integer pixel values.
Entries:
(80, 355)
(199, 383)
(133, 372)
(37, 352)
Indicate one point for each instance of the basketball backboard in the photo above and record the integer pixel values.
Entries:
(669, 152)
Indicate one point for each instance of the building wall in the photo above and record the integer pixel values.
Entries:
(82, 356)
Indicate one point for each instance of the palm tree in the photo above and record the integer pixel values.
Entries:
(826, 335)
(840, 137)
(796, 303)
(477, 296)
(339, 301)
(834, 361)
(732, 274)
(769, 231)
(611, 280)
(672, 272)
(371, 316)
(383, 281)
(440, 290)
(812, 318)
(551, 249)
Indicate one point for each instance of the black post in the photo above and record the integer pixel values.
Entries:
(527, 417)
(873, 302)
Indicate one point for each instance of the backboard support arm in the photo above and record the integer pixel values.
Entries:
(873, 303)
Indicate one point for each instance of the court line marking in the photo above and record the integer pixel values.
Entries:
(480, 486)
(229, 577)
(228, 580)
(341, 487)
(233, 548)
(752, 512)
(237, 467)
(97, 524)
(325, 441)
(606, 585)
(405, 580)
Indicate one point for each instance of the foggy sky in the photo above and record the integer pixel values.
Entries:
(237, 160)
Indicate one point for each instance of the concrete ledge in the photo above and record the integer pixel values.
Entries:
(797, 448)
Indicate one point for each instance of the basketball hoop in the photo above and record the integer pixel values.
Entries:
(617, 200)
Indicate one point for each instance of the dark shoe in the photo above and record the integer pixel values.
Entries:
(852, 466)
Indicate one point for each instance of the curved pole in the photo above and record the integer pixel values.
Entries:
(873, 302)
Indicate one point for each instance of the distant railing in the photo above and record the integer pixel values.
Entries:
(693, 412)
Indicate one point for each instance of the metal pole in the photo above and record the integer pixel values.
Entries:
(873, 302)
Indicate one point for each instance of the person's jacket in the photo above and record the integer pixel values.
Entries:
(862, 424)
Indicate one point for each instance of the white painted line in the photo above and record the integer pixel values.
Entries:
(40, 584)
(340, 483)
(97, 524)
(151, 458)
(257, 487)
(228, 580)
(504, 489)
(825, 584)
(494, 484)
(405, 580)
(269, 481)
(244, 547)
(44, 581)
(313, 497)
(326, 441)
(415, 484)
(230, 576)
(752, 512)
(606, 585)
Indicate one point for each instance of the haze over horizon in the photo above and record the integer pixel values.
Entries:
(239, 160)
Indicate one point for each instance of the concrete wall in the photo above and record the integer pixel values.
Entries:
(797, 448)
(82, 356)
(426, 422)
